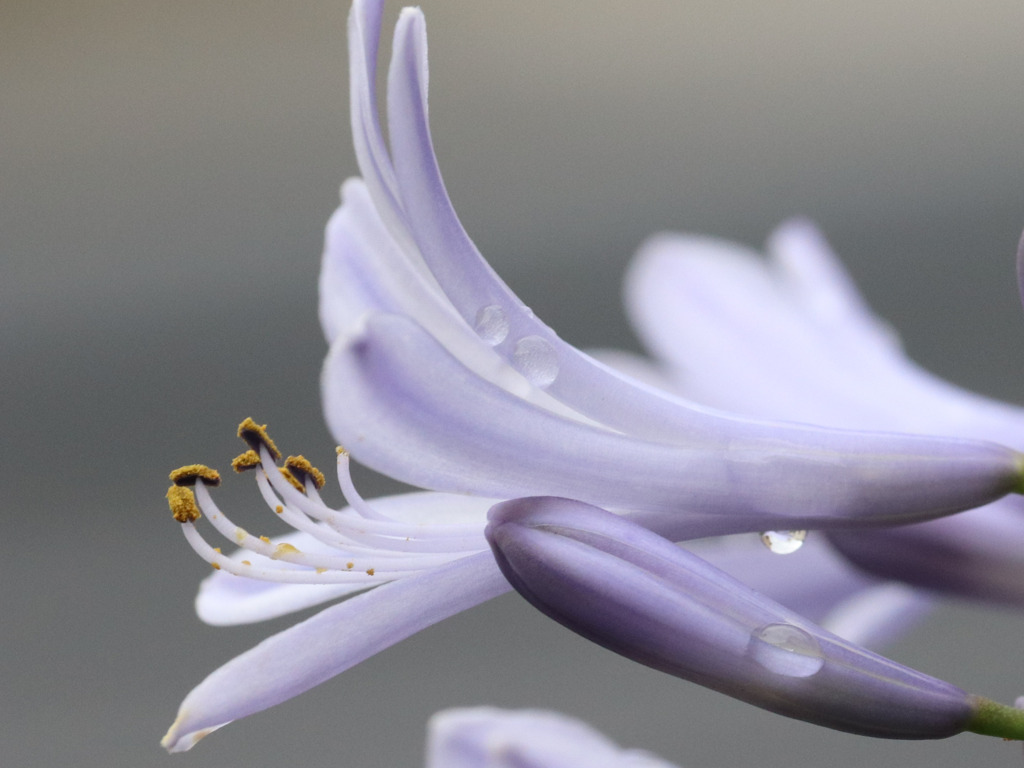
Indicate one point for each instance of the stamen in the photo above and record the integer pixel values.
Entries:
(255, 435)
(189, 474)
(182, 502)
(248, 460)
(303, 471)
(348, 489)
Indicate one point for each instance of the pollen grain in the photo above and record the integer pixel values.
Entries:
(191, 473)
(183, 505)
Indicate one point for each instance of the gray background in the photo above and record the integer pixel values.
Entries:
(167, 169)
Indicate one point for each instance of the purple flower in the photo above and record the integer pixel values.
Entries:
(484, 737)
(439, 376)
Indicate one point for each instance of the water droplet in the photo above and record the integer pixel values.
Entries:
(785, 650)
(536, 359)
(491, 325)
(783, 542)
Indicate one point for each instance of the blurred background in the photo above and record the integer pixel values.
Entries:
(167, 169)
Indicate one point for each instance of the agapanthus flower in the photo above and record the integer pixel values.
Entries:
(484, 737)
(439, 376)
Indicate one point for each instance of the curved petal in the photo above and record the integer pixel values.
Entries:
(473, 287)
(484, 737)
(365, 269)
(337, 638)
(409, 409)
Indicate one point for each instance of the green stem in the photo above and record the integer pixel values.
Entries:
(994, 719)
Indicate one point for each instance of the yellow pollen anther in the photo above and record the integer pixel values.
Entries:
(302, 469)
(189, 474)
(248, 460)
(183, 505)
(256, 435)
(287, 475)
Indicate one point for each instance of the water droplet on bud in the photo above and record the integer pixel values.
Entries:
(783, 542)
(785, 650)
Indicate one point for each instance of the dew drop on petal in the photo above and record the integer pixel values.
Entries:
(783, 542)
(491, 325)
(785, 650)
(536, 359)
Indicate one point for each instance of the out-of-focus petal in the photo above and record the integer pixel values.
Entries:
(788, 579)
(978, 554)
(435, 424)
(790, 339)
(484, 737)
(635, 593)
(337, 638)
(879, 614)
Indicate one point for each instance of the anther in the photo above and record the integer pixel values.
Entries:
(248, 460)
(255, 435)
(301, 469)
(287, 475)
(188, 475)
(182, 502)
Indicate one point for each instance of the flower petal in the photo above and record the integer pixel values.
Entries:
(484, 737)
(407, 408)
(635, 593)
(337, 638)
(978, 555)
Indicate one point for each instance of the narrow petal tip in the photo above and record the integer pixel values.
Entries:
(177, 741)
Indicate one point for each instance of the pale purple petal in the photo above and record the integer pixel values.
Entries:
(790, 339)
(637, 594)
(337, 638)
(407, 408)
(484, 737)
